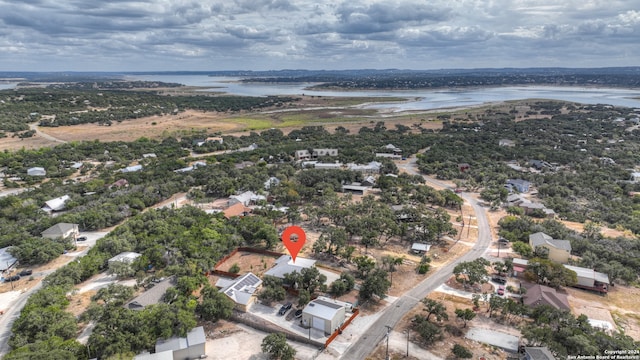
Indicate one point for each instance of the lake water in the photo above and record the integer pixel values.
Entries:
(418, 99)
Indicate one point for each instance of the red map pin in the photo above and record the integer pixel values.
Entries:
(294, 246)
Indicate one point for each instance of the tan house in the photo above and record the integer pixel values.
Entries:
(61, 230)
(559, 250)
(243, 291)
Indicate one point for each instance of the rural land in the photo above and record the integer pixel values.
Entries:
(149, 220)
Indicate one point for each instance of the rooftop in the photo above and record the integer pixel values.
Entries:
(285, 265)
(322, 308)
(589, 274)
(194, 337)
(126, 257)
(242, 288)
(541, 238)
(544, 295)
(151, 296)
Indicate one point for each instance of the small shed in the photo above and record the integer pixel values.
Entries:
(324, 314)
(419, 248)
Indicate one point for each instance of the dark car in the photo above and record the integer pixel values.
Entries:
(82, 238)
(499, 280)
(26, 272)
(285, 308)
(298, 313)
(12, 278)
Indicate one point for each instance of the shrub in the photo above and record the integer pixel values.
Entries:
(461, 352)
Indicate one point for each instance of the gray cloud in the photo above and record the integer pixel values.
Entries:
(258, 34)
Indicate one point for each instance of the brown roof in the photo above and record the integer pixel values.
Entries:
(544, 295)
(237, 209)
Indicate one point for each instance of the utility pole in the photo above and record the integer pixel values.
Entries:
(408, 331)
(388, 334)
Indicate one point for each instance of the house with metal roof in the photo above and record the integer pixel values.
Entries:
(134, 168)
(193, 346)
(243, 291)
(420, 248)
(36, 171)
(61, 230)
(559, 250)
(324, 314)
(57, 204)
(246, 198)
(590, 279)
(127, 257)
(285, 265)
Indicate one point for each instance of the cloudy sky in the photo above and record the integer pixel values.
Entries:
(154, 35)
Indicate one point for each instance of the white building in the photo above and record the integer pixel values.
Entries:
(61, 230)
(56, 204)
(285, 265)
(36, 171)
(324, 314)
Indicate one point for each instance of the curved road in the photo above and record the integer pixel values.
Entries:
(34, 127)
(393, 313)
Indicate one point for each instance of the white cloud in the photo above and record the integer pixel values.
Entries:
(259, 34)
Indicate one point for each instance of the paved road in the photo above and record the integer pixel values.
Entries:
(13, 311)
(392, 315)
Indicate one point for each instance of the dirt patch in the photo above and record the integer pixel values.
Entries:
(605, 231)
(442, 348)
(249, 262)
(34, 142)
(79, 302)
(153, 127)
(621, 303)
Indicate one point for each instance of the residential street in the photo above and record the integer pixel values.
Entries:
(392, 314)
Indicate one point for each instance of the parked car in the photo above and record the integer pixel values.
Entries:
(26, 272)
(499, 279)
(82, 238)
(298, 313)
(12, 278)
(285, 308)
(501, 290)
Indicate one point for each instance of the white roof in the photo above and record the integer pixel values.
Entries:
(323, 308)
(149, 155)
(589, 274)
(285, 265)
(242, 288)
(56, 204)
(247, 196)
(125, 257)
(420, 247)
(163, 355)
(194, 337)
(523, 262)
(328, 165)
(131, 169)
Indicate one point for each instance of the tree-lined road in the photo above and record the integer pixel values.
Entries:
(393, 313)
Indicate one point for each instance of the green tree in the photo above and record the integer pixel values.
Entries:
(461, 352)
(272, 289)
(375, 284)
(465, 315)
(343, 285)
(275, 345)
(215, 305)
(434, 307)
(471, 272)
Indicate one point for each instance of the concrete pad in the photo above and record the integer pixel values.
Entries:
(495, 338)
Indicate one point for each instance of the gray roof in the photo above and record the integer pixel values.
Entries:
(589, 274)
(58, 229)
(543, 295)
(285, 265)
(355, 187)
(541, 238)
(322, 309)
(242, 288)
(518, 261)
(133, 168)
(538, 353)
(151, 296)
(194, 337)
(6, 258)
